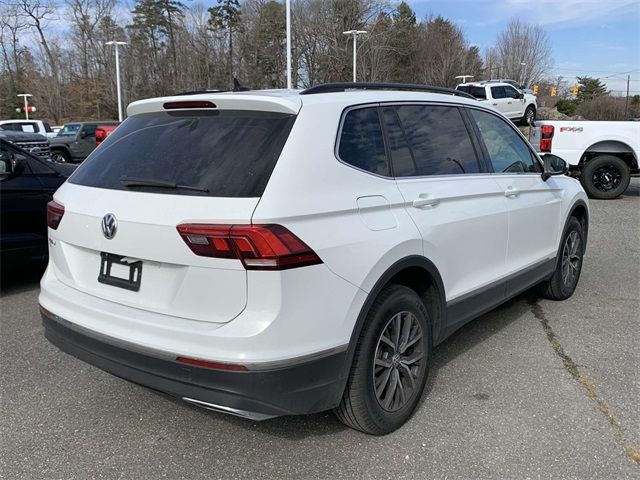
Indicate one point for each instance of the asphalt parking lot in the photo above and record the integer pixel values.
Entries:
(534, 389)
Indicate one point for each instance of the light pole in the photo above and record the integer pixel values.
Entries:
(26, 103)
(354, 34)
(113, 42)
(521, 79)
(288, 14)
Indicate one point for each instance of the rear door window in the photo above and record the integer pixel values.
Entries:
(438, 139)
(361, 142)
(498, 92)
(217, 153)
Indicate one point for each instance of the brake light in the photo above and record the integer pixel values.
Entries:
(55, 211)
(208, 364)
(192, 104)
(546, 137)
(258, 247)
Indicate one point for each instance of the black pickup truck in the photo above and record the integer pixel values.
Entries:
(34, 143)
(75, 141)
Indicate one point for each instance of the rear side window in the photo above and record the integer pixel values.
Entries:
(498, 92)
(438, 139)
(478, 92)
(216, 153)
(361, 143)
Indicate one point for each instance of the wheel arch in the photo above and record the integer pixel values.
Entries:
(415, 272)
(579, 210)
(616, 148)
(63, 148)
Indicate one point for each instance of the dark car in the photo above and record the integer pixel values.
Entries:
(34, 143)
(27, 184)
(75, 141)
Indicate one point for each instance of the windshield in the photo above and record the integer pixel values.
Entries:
(214, 153)
(69, 130)
(477, 92)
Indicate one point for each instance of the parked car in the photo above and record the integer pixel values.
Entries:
(34, 143)
(27, 183)
(75, 141)
(29, 126)
(603, 155)
(280, 252)
(103, 131)
(514, 104)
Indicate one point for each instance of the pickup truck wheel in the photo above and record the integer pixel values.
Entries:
(60, 156)
(565, 278)
(390, 365)
(529, 116)
(605, 177)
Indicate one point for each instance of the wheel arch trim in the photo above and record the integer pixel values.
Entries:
(411, 261)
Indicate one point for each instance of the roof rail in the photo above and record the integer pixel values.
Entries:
(344, 86)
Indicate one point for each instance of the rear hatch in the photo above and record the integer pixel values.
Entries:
(118, 237)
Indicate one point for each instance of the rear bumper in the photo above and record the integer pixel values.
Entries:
(312, 385)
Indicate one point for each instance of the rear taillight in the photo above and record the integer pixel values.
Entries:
(55, 211)
(546, 137)
(259, 247)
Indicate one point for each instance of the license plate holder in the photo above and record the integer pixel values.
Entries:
(132, 271)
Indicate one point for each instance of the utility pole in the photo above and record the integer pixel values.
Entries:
(27, 95)
(354, 34)
(288, 13)
(626, 103)
(113, 42)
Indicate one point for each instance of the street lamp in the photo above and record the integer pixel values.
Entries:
(113, 42)
(521, 79)
(463, 78)
(354, 34)
(26, 103)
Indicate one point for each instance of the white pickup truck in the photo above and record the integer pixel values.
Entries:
(603, 155)
(516, 105)
(29, 126)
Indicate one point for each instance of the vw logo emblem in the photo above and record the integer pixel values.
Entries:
(109, 226)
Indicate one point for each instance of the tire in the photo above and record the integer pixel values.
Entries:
(530, 112)
(382, 412)
(605, 177)
(565, 278)
(60, 156)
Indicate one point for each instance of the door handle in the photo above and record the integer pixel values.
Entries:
(424, 201)
(511, 192)
(494, 104)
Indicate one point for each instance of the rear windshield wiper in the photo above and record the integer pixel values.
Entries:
(144, 182)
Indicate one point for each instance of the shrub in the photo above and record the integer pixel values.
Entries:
(568, 107)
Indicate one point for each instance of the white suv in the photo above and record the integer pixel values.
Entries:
(514, 104)
(283, 252)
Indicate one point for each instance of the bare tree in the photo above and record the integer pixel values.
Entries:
(524, 52)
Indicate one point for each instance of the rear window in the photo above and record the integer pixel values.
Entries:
(213, 153)
(477, 92)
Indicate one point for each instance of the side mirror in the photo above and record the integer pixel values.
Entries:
(11, 166)
(553, 165)
(520, 95)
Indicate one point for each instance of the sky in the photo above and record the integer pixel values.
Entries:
(598, 38)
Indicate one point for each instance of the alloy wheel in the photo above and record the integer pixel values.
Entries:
(607, 178)
(398, 362)
(571, 259)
